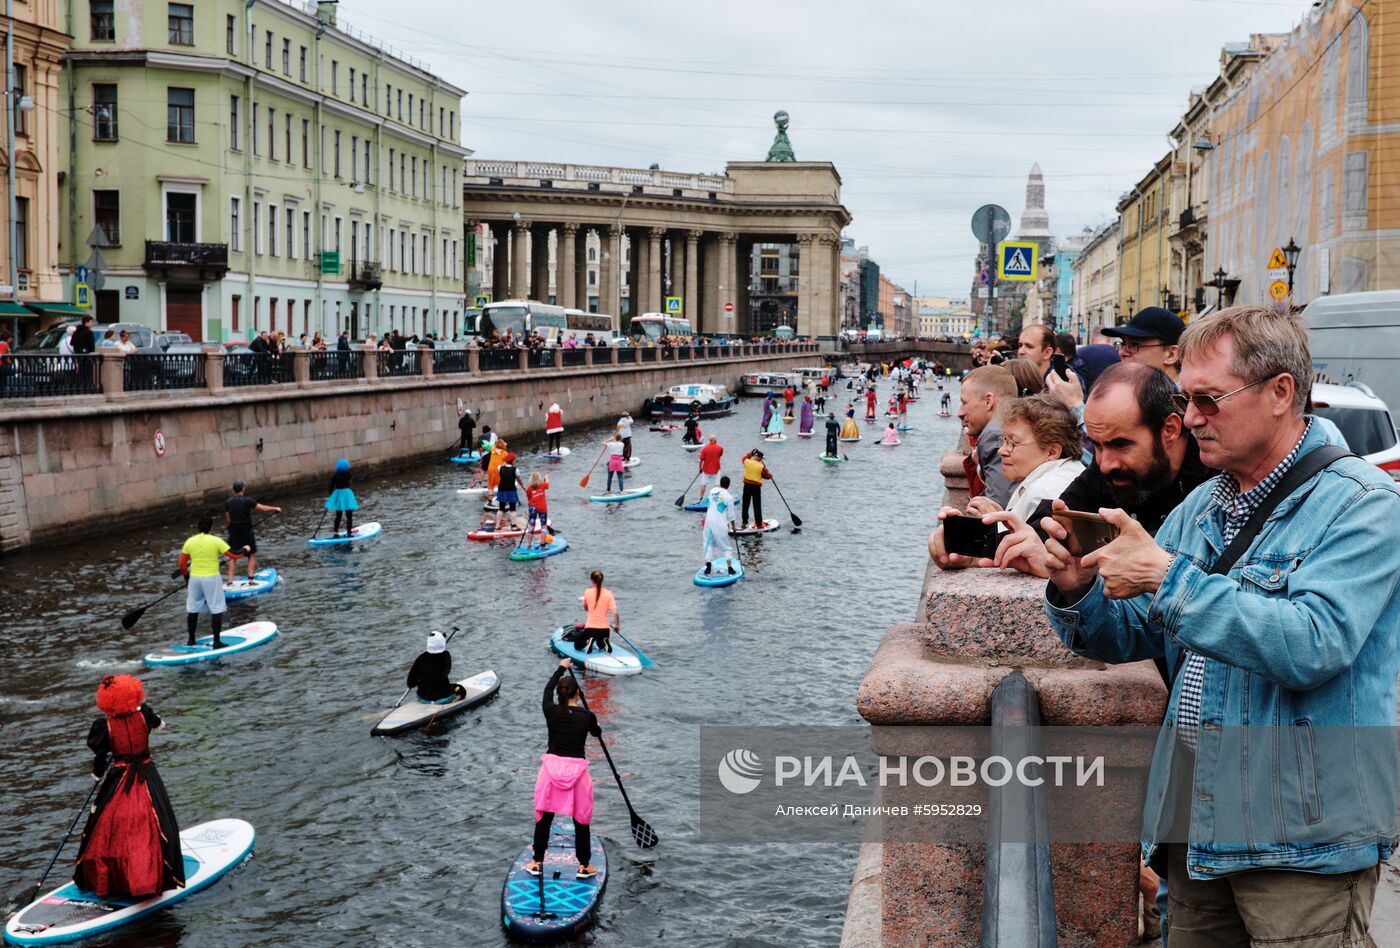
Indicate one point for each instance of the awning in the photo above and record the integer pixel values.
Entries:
(58, 309)
(8, 309)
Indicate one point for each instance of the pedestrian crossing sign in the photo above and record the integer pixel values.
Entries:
(481, 300)
(673, 305)
(1016, 260)
(82, 295)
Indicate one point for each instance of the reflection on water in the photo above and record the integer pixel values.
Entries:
(404, 840)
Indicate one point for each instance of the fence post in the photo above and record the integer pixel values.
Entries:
(112, 375)
(301, 367)
(588, 355)
(613, 350)
(425, 362)
(473, 361)
(371, 363)
(558, 357)
(214, 369)
(524, 359)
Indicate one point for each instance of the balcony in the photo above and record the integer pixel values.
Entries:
(366, 276)
(165, 258)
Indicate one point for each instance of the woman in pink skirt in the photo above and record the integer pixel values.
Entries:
(563, 785)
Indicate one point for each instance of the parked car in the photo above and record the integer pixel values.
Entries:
(1364, 421)
(145, 338)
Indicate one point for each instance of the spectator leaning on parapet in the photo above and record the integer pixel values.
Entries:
(1265, 838)
(981, 394)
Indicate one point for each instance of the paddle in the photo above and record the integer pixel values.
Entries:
(642, 656)
(796, 520)
(40, 884)
(680, 501)
(584, 482)
(134, 616)
(410, 687)
(319, 523)
(641, 830)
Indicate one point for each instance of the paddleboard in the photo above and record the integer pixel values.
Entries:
(540, 552)
(768, 527)
(773, 438)
(264, 580)
(209, 849)
(693, 447)
(363, 532)
(235, 640)
(789, 418)
(415, 714)
(617, 662)
(631, 463)
(559, 455)
(570, 904)
(804, 434)
(699, 507)
(632, 493)
(945, 414)
(891, 444)
(848, 440)
(830, 460)
(665, 429)
(506, 533)
(471, 491)
(719, 573)
(472, 458)
(903, 427)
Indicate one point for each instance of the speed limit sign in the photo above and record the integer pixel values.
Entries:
(158, 441)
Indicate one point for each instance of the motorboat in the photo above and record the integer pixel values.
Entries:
(712, 399)
(765, 383)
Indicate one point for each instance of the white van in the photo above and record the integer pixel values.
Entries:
(1355, 337)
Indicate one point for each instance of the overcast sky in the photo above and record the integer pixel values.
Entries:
(928, 109)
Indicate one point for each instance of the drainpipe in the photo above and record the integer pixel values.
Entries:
(432, 205)
(317, 213)
(247, 221)
(72, 167)
(11, 103)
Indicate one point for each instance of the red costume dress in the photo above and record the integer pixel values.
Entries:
(131, 843)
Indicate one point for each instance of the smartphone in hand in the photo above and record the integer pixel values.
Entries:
(969, 536)
(1058, 363)
(1087, 531)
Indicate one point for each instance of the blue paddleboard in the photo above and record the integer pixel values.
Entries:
(719, 573)
(235, 640)
(540, 552)
(471, 458)
(569, 904)
(700, 507)
(363, 532)
(68, 913)
(903, 427)
(617, 662)
(264, 580)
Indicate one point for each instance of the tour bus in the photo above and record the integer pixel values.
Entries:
(521, 317)
(579, 324)
(648, 328)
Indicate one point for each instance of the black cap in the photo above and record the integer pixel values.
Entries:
(1154, 322)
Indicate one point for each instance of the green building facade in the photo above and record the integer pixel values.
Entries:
(234, 167)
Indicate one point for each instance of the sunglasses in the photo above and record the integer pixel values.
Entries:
(1209, 404)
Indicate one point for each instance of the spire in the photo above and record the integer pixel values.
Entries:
(1035, 222)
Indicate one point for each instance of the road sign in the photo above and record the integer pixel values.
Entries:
(1017, 260)
(82, 274)
(991, 224)
(330, 261)
(1278, 290)
(481, 300)
(158, 442)
(1277, 261)
(985, 277)
(82, 295)
(673, 305)
(728, 309)
(471, 249)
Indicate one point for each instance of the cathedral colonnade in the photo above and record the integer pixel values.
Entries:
(627, 239)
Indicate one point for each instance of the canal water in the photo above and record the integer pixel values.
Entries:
(405, 840)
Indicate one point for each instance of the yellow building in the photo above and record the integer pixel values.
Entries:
(1308, 149)
(1144, 254)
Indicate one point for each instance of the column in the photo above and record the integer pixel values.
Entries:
(581, 293)
(610, 272)
(692, 281)
(567, 268)
(500, 261)
(539, 262)
(711, 316)
(833, 276)
(656, 262)
(675, 272)
(635, 249)
(729, 321)
(806, 272)
(519, 261)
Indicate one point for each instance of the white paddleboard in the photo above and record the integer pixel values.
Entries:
(693, 447)
(556, 455)
(892, 444)
(363, 532)
(414, 713)
(772, 438)
(631, 462)
(768, 527)
(617, 662)
(471, 491)
(632, 493)
(68, 914)
(235, 640)
(264, 580)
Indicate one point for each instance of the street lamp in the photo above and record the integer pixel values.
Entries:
(1166, 297)
(1219, 284)
(1290, 253)
(1132, 305)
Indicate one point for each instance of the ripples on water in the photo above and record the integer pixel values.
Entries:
(404, 841)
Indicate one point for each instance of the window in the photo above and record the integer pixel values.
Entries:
(367, 166)
(337, 153)
(104, 112)
(272, 230)
(287, 136)
(403, 176)
(230, 33)
(337, 234)
(235, 302)
(422, 114)
(410, 108)
(272, 133)
(290, 214)
(427, 256)
(306, 234)
(403, 251)
(452, 125)
(235, 224)
(354, 240)
(255, 128)
(22, 233)
(456, 260)
(257, 227)
(181, 21)
(107, 214)
(179, 116)
(388, 99)
(321, 149)
(455, 192)
(412, 254)
(306, 143)
(303, 64)
(592, 254)
(103, 22)
(335, 77)
(400, 100)
(354, 156)
(180, 209)
(352, 83)
(286, 57)
(306, 316)
(414, 188)
(364, 89)
(233, 123)
(441, 123)
(592, 277)
(21, 85)
(267, 50)
(391, 169)
(445, 192)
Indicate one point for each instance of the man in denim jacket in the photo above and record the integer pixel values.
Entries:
(1272, 795)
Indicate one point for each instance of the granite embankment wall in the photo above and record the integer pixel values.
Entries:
(72, 467)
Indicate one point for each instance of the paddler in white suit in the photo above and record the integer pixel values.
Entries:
(721, 514)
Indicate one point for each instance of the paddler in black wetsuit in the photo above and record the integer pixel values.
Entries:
(467, 426)
(431, 673)
(692, 426)
(563, 785)
(833, 431)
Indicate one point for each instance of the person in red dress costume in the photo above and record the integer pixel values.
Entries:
(131, 843)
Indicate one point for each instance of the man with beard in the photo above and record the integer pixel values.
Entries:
(1145, 462)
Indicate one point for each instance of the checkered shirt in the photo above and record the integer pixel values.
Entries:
(1238, 509)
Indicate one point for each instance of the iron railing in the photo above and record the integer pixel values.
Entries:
(646, 355)
(499, 360)
(399, 362)
(627, 355)
(574, 357)
(450, 361)
(541, 359)
(37, 375)
(153, 372)
(334, 364)
(257, 368)
(168, 254)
